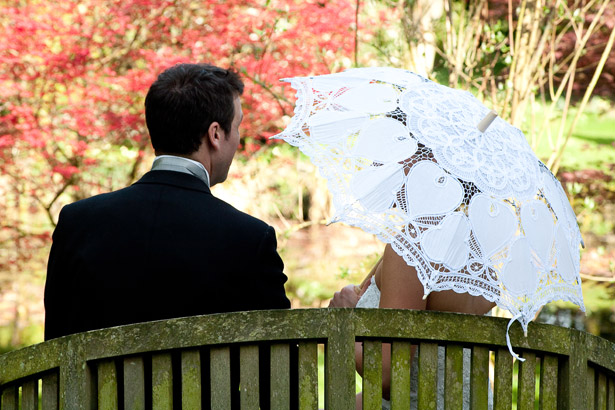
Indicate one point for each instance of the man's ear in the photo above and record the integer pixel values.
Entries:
(215, 135)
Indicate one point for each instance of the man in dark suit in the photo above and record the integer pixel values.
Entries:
(165, 247)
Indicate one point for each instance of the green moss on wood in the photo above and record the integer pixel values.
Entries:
(107, 385)
(502, 396)
(548, 383)
(527, 382)
(401, 356)
(372, 375)
(453, 377)
(479, 384)
(191, 379)
(162, 382)
(428, 375)
(70, 360)
(308, 376)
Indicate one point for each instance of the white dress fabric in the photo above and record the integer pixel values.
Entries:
(371, 299)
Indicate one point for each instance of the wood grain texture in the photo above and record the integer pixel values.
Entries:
(81, 380)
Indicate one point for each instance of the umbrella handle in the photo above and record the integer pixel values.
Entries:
(486, 122)
(371, 273)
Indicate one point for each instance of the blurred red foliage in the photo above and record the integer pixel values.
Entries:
(74, 74)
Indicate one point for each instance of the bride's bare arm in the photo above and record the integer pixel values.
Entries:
(400, 288)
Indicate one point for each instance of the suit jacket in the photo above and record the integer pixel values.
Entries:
(164, 247)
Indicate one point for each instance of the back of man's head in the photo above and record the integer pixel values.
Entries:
(183, 102)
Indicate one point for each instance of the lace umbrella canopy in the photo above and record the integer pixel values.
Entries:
(472, 211)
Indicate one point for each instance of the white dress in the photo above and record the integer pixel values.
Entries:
(371, 299)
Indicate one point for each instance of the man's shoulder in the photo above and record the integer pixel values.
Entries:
(139, 190)
(240, 218)
(95, 200)
(179, 201)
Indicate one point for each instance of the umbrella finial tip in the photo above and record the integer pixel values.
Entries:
(425, 295)
(486, 122)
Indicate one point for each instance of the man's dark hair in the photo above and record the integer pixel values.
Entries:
(183, 102)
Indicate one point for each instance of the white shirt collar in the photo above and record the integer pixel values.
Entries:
(181, 164)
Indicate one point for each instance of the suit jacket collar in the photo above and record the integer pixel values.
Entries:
(174, 178)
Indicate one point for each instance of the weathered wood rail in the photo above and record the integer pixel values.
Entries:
(145, 365)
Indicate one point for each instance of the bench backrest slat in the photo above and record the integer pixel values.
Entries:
(107, 385)
(29, 395)
(10, 399)
(49, 396)
(308, 375)
(479, 384)
(428, 375)
(162, 382)
(134, 383)
(340, 362)
(248, 377)
(220, 371)
(401, 353)
(591, 384)
(372, 374)
(610, 402)
(191, 379)
(280, 382)
(453, 377)
(527, 381)
(548, 383)
(601, 392)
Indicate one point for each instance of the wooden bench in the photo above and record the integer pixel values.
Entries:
(136, 366)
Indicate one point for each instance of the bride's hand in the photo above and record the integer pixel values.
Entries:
(346, 298)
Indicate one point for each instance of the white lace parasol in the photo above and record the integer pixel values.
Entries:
(472, 211)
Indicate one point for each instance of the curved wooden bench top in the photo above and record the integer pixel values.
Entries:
(338, 329)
